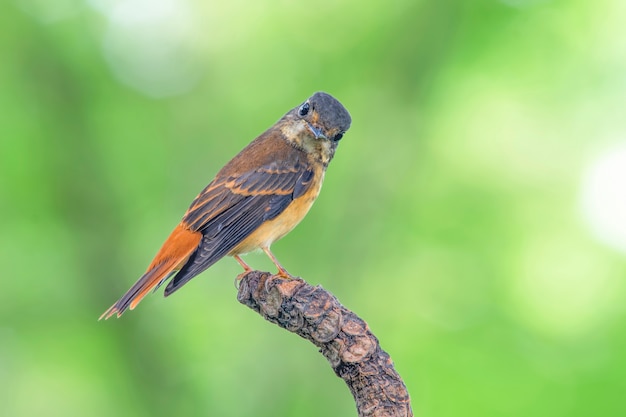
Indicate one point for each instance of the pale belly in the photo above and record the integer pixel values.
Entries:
(270, 231)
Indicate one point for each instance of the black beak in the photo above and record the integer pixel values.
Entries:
(317, 132)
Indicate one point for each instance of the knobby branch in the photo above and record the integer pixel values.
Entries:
(343, 338)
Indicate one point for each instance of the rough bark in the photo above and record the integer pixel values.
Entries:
(343, 338)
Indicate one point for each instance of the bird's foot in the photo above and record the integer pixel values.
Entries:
(282, 272)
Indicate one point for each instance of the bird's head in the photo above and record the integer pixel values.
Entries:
(317, 125)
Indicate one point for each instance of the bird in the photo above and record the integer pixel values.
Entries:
(254, 200)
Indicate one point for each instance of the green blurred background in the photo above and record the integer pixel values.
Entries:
(474, 215)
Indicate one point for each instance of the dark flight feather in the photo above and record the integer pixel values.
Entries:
(237, 207)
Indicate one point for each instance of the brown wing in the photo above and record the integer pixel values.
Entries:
(230, 209)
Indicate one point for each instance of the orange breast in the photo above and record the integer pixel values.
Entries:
(270, 231)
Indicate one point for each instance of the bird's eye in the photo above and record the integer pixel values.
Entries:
(304, 109)
(338, 137)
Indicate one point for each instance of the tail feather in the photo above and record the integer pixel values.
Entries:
(173, 255)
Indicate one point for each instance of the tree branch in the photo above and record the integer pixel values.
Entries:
(343, 338)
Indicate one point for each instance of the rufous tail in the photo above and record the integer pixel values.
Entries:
(170, 258)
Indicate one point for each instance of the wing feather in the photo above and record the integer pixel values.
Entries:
(228, 211)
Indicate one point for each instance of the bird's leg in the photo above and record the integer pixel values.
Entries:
(246, 269)
(244, 265)
(281, 271)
